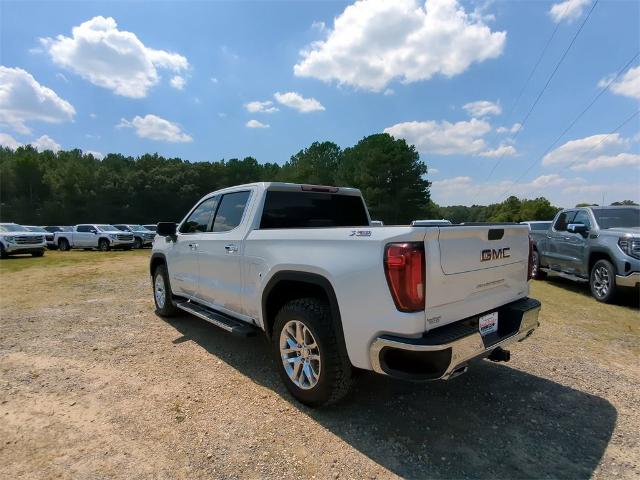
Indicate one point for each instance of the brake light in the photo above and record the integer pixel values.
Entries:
(405, 270)
(530, 265)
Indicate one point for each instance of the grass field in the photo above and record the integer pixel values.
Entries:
(94, 385)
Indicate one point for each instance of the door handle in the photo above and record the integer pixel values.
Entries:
(231, 248)
(193, 246)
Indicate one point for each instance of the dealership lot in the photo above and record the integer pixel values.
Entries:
(94, 384)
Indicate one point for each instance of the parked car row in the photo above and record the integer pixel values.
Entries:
(598, 245)
(31, 239)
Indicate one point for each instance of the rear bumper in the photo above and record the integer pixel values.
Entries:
(631, 280)
(444, 352)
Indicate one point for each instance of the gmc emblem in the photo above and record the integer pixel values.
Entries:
(493, 254)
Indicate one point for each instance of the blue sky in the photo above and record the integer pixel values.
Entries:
(182, 76)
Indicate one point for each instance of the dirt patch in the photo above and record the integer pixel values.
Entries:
(94, 385)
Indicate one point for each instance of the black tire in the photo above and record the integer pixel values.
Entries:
(137, 242)
(38, 254)
(602, 280)
(63, 245)
(335, 375)
(166, 308)
(3, 253)
(103, 245)
(537, 273)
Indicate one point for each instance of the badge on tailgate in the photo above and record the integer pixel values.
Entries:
(488, 323)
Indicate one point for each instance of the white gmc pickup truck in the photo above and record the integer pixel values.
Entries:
(303, 265)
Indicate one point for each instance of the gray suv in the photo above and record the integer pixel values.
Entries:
(599, 245)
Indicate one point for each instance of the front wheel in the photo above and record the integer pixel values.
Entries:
(162, 292)
(137, 243)
(63, 245)
(535, 270)
(103, 245)
(308, 356)
(603, 281)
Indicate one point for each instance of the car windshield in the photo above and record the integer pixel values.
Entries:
(617, 217)
(36, 229)
(136, 228)
(12, 227)
(107, 228)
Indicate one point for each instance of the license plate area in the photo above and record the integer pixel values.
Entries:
(488, 324)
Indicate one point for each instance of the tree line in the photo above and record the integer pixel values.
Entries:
(70, 187)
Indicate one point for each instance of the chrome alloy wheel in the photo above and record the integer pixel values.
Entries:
(159, 291)
(534, 267)
(601, 281)
(300, 354)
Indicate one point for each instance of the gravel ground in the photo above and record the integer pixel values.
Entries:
(94, 385)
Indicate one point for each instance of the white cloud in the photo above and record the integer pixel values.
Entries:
(260, 107)
(444, 138)
(433, 171)
(23, 100)
(178, 82)
(568, 10)
(594, 153)
(513, 129)
(93, 116)
(156, 128)
(112, 58)
(214, 80)
(376, 41)
(628, 85)
(97, 155)
(45, 142)
(319, 26)
(501, 151)
(482, 108)
(298, 102)
(388, 92)
(8, 141)
(256, 124)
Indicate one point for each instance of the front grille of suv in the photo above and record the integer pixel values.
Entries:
(125, 237)
(31, 240)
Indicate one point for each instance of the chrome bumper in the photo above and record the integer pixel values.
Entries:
(631, 280)
(462, 350)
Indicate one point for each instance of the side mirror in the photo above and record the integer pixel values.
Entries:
(166, 229)
(577, 228)
(94, 231)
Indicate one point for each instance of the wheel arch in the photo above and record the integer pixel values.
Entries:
(156, 260)
(596, 255)
(289, 285)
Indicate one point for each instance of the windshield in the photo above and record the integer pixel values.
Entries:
(107, 228)
(12, 227)
(136, 228)
(617, 217)
(36, 229)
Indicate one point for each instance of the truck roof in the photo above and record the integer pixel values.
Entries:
(284, 186)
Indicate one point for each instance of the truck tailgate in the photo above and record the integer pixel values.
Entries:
(472, 269)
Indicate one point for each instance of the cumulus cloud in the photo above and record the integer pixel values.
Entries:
(568, 10)
(512, 129)
(628, 85)
(111, 58)
(444, 138)
(8, 141)
(594, 153)
(501, 151)
(482, 108)
(376, 41)
(298, 102)
(260, 107)
(178, 82)
(23, 100)
(256, 124)
(45, 142)
(95, 154)
(156, 128)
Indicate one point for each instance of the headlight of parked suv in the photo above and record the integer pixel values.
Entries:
(630, 246)
(113, 236)
(10, 239)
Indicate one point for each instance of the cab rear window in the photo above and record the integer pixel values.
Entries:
(312, 210)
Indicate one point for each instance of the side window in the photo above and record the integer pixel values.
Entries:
(564, 219)
(199, 219)
(583, 218)
(230, 211)
(84, 228)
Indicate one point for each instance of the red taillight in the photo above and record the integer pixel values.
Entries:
(530, 269)
(404, 267)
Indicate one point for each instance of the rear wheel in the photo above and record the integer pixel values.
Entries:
(162, 292)
(309, 360)
(103, 245)
(603, 281)
(63, 245)
(137, 242)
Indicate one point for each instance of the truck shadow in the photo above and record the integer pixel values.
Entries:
(494, 421)
(628, 297)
